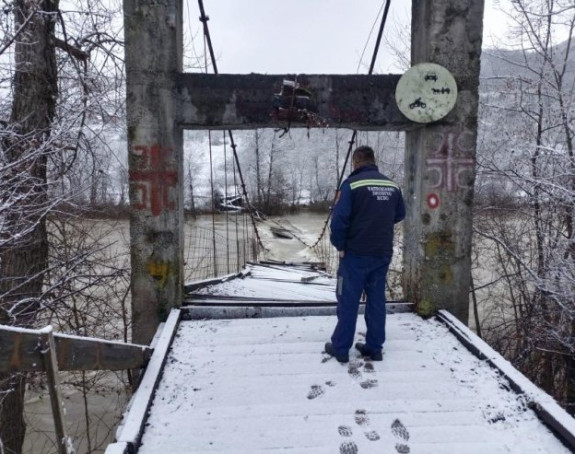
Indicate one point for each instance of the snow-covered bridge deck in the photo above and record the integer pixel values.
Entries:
(247, 385)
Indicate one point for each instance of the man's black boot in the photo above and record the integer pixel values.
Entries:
(340, 358)
(361, 348)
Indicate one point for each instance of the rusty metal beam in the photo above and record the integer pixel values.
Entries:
(233, 101)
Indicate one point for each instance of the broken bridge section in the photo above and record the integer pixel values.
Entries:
(439, 157)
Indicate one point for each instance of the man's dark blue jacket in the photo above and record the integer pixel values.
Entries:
(368, 206)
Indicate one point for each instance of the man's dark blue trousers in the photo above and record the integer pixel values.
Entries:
(357, 273)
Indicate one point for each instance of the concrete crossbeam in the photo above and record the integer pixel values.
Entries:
(248, 101)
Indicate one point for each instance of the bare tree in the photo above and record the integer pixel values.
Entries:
(531, 242)
(61, 69)
(26, 147)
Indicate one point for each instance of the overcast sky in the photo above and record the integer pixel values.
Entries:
(307, 36)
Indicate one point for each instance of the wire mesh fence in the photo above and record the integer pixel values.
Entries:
(326, 254)
(218, 245)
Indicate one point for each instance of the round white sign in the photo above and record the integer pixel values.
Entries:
(426, 92)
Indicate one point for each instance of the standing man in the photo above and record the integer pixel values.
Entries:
(367, 208)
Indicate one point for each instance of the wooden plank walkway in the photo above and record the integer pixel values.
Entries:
(246, 386)
(246, 373)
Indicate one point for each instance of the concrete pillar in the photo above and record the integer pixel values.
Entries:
(153, 36)
(440, 162)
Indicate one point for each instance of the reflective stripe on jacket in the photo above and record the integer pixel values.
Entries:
(368, 206)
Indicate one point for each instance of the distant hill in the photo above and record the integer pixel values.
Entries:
(500, 64)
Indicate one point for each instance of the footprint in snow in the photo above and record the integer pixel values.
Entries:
(353, 369)
(401, 433)
(348, 447)
(361, 418)
(315, 391)
(367, 384)
(345, 431)
(368, 367)
(372, 435)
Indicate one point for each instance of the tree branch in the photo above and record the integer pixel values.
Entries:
(20, 30)
(75, 52)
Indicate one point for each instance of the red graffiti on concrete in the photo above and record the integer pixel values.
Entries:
(152, 182)
(449, 164)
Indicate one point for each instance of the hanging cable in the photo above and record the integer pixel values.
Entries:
(359, 63)
(204, 19)
(379, 36)
(291, 108)
(244, 190)
(354, 134)
(215, 256)
(214, 244)
(348, 154)
(238, 262)
(227, 208)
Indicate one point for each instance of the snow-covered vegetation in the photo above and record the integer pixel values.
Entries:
(283, 171)
(54, 168)
(524, 255)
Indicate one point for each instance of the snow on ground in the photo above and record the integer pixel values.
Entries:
(254, 385)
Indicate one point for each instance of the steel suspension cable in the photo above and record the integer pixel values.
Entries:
(354, 134)
(238, 218)
(244, 190)
(215, 256)
(227, 211)
(214, 246)
(204, 19)
(379, 36)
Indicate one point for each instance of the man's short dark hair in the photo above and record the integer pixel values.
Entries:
(363, 155)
